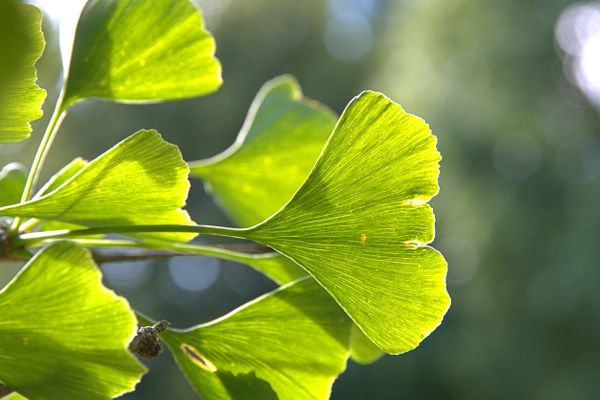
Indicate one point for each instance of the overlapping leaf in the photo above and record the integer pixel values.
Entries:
(141, 51)
(63, 335)
(289, 344)
(140, 181)
(275, 150)
(12, 182)
(21, 44)
(360, 222)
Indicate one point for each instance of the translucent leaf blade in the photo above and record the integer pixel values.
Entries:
(141, 180)
(289, 344)
(141, 51)
(63, 334)
(360, 222)
(275, 150)
(12, 182)
(20, 98)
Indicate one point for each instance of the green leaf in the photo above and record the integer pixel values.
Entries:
(140, 181)
(360, 222)
(63, 335)
(66, 173)
(21, 46)
(141, 51)
(288, 344)
(14, 396)
(362, 350)
(278, 268)
(12, 182)
(275, 150)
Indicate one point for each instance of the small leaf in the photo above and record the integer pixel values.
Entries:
(140, 181)
(20, 98)
(360, 222)
(141, 51)
(12, 182)
(275, 150)
(63, 335)
(288, 344)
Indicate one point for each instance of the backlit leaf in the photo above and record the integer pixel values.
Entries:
(12, 182)
(21, 44)
(275, 150)
(360, 223)
(142, 180)
(141, 51)
(63, 335)
(288, 344)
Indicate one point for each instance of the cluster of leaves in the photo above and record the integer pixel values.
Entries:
(341, 201)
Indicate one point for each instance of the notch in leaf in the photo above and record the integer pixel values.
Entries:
(141, 51)
(288, 344)
(360, 223)
(141, 179)
(63, 334)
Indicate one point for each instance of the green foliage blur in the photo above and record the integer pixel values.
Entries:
(517, 215)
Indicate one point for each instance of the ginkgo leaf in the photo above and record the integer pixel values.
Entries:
(66, 173)
(360, 223)
(142, 180)
(250, 186)
(141, 51)
(362, 349)
(20, 98)
(63, 335)
(275, 150)
(12, 182)
(278, 268)
(288, 344)
(14, 396)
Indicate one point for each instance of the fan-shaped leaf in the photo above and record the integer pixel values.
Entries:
(289, 344)
(141, 51)
(142, 180)
(63, 335)
(360, 222)
(275, 150)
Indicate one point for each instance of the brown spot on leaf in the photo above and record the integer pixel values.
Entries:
(197, 358)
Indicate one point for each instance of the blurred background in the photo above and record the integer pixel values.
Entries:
(512, 91)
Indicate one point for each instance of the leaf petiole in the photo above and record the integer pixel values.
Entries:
(33, 238)
(56, 119)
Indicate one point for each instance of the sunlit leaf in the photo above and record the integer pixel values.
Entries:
(63, 335)
(362, 349)
(280, 269)
(141, 51)
(251, 187)
(14, 396)
(289, 344)
(66, 173)
(21, 44)
(275, 150)
(360, 222)
(12, 182)
(141, 181)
